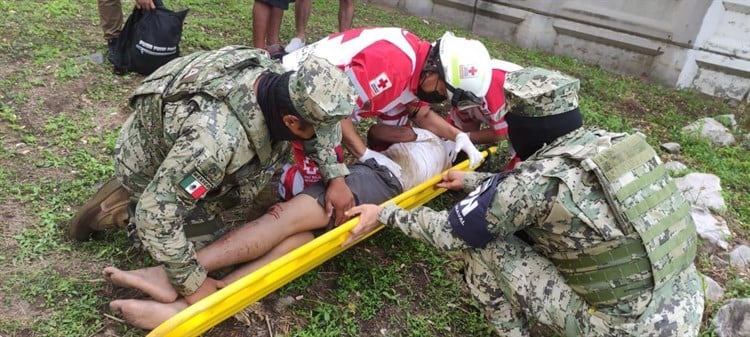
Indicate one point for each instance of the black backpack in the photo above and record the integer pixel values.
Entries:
(149, 39)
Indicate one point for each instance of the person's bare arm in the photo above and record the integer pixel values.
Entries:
(339, 198)
(351, 139)
(381, 135)
(485, 136)
(427, 119)
(477, 135)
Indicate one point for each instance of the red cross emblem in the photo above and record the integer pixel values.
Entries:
(468, 71)
(380, 84)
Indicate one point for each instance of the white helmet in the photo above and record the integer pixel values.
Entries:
(465, 65)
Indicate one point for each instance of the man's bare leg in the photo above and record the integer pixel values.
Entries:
(274, 26)
(261, 19)
(146, 314)
(246, 243)
(151, 280)
(302, 10)
(346, 14)
(286, 246)
(253, 240)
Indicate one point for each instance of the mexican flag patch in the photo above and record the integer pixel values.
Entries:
(193, 186)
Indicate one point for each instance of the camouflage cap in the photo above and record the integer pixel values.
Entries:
(322, 95)
(538, 92)
(320, 92)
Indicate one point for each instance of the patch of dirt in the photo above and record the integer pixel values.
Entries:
(14, 220)
(13, 308)
(633, 108)
(42, 100)
(74, 99)
(269, 317)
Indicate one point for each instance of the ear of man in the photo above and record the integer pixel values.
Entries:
(291, 121)
(297, 126)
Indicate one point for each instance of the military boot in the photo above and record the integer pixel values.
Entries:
(107, 209)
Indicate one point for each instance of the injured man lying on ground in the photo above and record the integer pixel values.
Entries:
(286, 225)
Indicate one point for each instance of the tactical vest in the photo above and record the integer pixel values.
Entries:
(227, 74)
(652, 237)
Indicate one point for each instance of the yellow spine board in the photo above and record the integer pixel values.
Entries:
(215, 308)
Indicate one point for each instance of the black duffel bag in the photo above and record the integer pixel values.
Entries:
(149, 39)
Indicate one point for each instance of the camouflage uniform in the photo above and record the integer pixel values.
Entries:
(612, 242)
(197, 144)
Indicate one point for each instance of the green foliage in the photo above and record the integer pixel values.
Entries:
(737, 288)
(70, 69)
(6, 113)
(62, 9)
(46, 54)
(49, 289)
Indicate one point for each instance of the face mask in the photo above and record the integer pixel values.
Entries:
(431, 97)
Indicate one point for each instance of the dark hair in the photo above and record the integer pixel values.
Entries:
(433, 63)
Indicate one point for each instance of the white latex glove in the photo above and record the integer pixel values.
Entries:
(463, 143)
(383, 161)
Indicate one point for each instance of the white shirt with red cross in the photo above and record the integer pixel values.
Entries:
(383, 65)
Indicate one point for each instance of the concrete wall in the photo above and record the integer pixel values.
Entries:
(701, 44)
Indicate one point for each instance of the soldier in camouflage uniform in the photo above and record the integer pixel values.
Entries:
(608, 243)
(208, 132)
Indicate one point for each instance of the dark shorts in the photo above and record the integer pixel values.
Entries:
(369, 182)
(282, 4)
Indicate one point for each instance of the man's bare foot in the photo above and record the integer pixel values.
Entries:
(152, 280)
(146, 314)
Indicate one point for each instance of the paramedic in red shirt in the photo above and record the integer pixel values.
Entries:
(397, 76)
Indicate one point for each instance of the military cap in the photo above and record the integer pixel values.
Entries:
(538, 92)
(322, 95)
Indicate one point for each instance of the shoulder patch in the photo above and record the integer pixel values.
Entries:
(468, 217)
(380, 84)
(194, 186)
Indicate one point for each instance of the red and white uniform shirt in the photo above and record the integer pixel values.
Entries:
(381, 64)
(489, 112)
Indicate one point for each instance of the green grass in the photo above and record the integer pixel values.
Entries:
(60, 117)
(48, 289)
